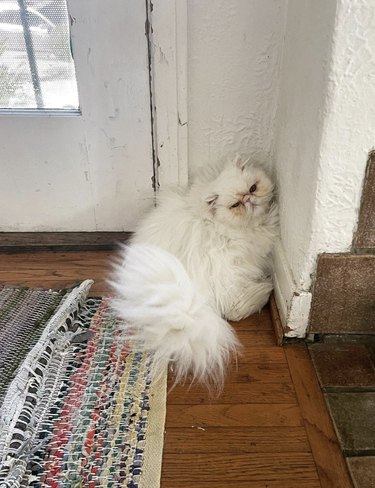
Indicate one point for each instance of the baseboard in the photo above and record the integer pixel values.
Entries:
(60, 241)
(293, 304)
(276, 321)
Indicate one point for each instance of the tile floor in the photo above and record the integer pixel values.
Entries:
(346, 372)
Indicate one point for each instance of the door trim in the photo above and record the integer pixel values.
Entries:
(168, 35)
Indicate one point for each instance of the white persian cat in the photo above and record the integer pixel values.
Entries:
(201, 256)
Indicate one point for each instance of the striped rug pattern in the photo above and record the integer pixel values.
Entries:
(24, 313)
(82, 410)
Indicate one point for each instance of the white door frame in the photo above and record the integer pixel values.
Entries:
(91, 171)
(167, 33)
(108, 198)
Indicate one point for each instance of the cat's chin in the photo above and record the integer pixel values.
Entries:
(255, 211)
(253, 208)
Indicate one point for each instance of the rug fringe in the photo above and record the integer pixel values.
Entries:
(38, 376)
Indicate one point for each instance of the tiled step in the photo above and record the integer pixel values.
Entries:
(346, 373)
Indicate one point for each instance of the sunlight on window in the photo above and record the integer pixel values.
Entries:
(36, 65)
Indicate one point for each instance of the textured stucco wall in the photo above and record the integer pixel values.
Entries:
(349, 132)
(234, 51)
(325, 129)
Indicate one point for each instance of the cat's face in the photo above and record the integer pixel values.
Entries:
(241, 193)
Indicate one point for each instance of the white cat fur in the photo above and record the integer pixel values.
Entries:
(193, 260)
(165, 314)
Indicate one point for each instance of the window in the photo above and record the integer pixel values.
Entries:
(36, 65)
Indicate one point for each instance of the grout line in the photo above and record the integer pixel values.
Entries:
(348, 389)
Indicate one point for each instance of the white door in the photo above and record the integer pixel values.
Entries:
(91, 170)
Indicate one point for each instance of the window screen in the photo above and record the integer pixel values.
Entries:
(36, 64)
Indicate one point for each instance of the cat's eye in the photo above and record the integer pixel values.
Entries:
(237, 204)
(253, 188)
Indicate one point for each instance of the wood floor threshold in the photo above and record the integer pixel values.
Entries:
(15, 242)
(330, 462)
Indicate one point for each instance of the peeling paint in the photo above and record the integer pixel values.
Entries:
(182, 124)
(148, 33)
(115, 115)
(162, 56)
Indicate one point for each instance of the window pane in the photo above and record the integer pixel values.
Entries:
(36, 65)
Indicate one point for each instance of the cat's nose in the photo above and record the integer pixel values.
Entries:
(246, 198)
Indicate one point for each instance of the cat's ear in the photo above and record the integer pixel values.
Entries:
(211, 200)
(240, 162)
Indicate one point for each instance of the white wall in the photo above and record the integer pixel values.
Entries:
(289, 82)
(349, 132)
(326, 127)
(234, 51)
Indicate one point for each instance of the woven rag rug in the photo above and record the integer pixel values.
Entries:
(78, 408)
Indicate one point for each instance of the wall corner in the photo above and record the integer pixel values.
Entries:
(293, 304)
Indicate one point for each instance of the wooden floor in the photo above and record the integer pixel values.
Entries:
(269, 428)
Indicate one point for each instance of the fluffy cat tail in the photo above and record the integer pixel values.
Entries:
(166, 315)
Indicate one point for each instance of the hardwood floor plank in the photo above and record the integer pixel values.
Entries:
(244, 415)
(331, 466)
(101, 267)
(31, 275)
(99, 288)
(251, 339)
(236, 440)
(264, 357)
(258, 321)
(27, 241)
(83, 259)
(237, 467)
(224, 483)
(57, 269)
(252, 372)
(250, 392)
